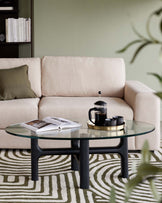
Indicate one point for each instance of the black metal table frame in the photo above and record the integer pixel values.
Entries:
(79, 152)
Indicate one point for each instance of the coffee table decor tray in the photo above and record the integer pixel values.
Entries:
(106, 128)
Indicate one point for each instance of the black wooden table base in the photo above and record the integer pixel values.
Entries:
(79, 152)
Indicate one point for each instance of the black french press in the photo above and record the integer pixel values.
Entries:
(100, 108)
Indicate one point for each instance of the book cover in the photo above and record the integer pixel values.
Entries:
(50, 123)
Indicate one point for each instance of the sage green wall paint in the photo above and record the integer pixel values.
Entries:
(97, 28)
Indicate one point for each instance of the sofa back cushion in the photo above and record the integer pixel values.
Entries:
(34, 70)
(82, 76)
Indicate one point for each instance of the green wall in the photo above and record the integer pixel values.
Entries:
(96, 28)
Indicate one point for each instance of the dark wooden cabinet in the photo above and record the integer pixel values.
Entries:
(15, 9)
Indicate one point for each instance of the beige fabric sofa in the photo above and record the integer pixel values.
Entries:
(68, 86)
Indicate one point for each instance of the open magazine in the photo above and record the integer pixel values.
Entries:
(50, 123)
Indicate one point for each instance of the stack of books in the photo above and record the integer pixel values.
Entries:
(18, 30)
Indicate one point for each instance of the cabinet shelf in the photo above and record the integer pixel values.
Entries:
(8, 11)
(8, 43)
(23, 10)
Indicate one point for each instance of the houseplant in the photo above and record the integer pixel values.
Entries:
(145, 170)
(144, 41)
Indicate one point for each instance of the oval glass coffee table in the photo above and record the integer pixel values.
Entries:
(80, 149)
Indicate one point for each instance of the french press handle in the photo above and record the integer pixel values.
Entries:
(90, 115)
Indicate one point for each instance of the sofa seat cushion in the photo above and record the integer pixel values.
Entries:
(76, 108)
(18, 110)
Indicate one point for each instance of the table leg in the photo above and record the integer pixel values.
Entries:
(75, 157)
(35, 154)
(124, 157)
(84, 164)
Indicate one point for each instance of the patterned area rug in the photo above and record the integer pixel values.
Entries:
(57, 183)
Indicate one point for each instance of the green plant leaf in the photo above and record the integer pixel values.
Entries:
(112, 195)
(160, 26)
(159, 94)
(157, 12)
(146, 156)
(134, 166)
(154, 189)
(146, 169)
(139, 49)
(128, 45)
(159, 77)
(131, 184)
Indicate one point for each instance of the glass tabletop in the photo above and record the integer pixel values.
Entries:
(131, 128)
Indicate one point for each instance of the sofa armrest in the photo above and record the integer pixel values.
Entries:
(146, 108)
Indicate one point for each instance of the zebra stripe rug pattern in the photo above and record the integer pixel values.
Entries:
(57, 183)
